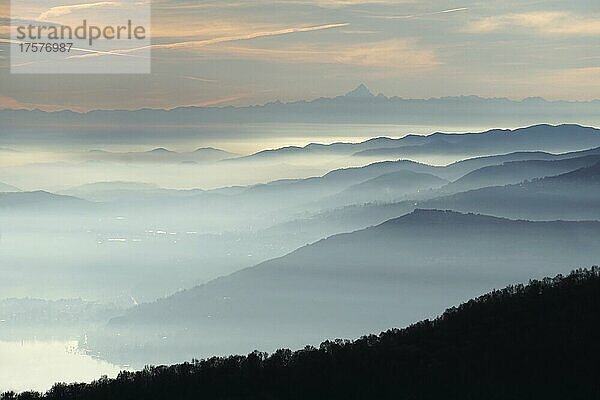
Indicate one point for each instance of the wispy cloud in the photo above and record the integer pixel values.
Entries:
(250, 36)
(540, 22)
(80, 49)
(194, 78)
(7, 102)
(60, 11)
(12, 103)
(246, 3)
(225, 39)
(219, 101)
(345, 3)
(411, 16)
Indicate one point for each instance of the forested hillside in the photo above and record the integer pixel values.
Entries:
(537, 341)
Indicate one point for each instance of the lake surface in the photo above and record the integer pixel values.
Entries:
(38, 365)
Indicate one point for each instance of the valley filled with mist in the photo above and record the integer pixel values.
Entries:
(129, 256)
(299, 200)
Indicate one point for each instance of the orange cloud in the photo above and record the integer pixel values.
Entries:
(10, 103)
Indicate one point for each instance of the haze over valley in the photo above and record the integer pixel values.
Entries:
(314, 199)
(161, 256)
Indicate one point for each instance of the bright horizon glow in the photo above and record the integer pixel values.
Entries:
(230, 53)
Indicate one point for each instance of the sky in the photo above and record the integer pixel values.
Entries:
(248, 52)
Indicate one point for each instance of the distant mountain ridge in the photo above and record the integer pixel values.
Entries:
(162, 155)
(357, 106)
(339, 148)
(543, 137)
(127, 192)
(533, 138)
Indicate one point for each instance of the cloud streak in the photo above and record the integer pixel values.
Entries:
(225, 39)
(7, 102)
(56, 12)
(411, 16)
(84, 50)
(563, 23)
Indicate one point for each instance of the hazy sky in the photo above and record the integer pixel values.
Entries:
(408, 48)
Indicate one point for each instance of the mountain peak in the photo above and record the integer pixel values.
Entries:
(160, 150)
(361, 91)
(209, 150)
(446, 217)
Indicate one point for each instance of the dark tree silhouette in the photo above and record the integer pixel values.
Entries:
(535, 341)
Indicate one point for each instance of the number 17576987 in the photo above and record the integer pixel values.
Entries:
(45, 47)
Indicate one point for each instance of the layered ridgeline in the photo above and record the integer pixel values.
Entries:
(210, 168)
(536, 341)
(443, 146)
(519, 171)
(400, 271)
(137, 228)
(316, 158)
(573, 195)
(378, 182)
(267, 204)
(300, 194)
(394, 180)
(129, 192)
(395, 186)
(162, 155)
(533, 138)
(385, 188)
